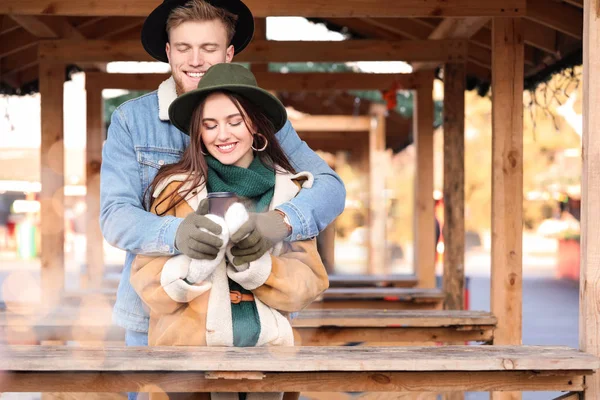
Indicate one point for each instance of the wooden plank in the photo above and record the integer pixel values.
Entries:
(338, 123)
(266, 8)
(270, 51)
(556, 15)
(349, 280)
(53, 181)
(260, 33)
(424, 235)
(311, 81)
(576, 3)
(589, 321)
(298, 381)
(507, 183)
(454, 28)
(507, 179)
(290, 359)
(405, 294)
(35, 26)
(387, 318)
(378, 210)
(394, 335)
(454, 185)
(94, 140)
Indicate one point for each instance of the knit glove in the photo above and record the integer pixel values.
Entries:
(250, 274)
(197, 235)
(256, 236)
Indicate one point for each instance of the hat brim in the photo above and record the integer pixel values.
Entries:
(180, 111)
(154, 32)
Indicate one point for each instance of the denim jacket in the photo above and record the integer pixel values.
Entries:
(140, 140)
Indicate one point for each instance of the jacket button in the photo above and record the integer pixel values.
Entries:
(298, 236)
(166, 247)
(161, 162)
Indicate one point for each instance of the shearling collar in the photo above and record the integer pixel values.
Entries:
(167, 93)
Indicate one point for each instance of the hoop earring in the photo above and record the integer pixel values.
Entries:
(264, 138)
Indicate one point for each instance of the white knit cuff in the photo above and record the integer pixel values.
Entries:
(251, 275)
(171, 279)
(200, 270)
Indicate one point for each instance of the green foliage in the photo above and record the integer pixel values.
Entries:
(110, 105)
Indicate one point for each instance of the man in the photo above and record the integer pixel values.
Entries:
(141, 139)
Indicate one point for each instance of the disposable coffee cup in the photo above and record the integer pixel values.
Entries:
(219, 202)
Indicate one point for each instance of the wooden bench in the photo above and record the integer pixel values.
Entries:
(312, 327)
(350, 280)
(380, 298)
(329, 327)
(293, 369)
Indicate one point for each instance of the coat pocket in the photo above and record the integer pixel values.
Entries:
(151, 159)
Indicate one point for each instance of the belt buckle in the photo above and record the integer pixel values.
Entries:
(236, 298)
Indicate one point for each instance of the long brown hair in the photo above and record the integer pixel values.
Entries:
(193, 163)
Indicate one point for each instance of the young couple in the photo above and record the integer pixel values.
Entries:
(192, 277)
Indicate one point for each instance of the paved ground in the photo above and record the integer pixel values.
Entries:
(550, 307)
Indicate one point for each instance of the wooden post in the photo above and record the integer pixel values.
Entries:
(424, 225)
(260, 33)
(589, 290)
(94, 140)
(377, 200)
(507, 183)
(454, 186)
(51, 82)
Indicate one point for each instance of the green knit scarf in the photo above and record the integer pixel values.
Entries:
(257, 182)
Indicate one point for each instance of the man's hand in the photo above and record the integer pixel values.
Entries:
(196, 235)
(259, 234)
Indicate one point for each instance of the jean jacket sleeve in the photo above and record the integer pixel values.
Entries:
(124, 221)
(312, 209)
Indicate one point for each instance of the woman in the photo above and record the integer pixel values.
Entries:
(220, 299)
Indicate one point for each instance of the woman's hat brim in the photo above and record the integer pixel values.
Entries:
(154, 31)
(182, 108)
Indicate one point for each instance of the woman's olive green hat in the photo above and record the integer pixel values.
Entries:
(232, 78)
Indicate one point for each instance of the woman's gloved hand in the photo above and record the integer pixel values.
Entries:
(198, 236)
(257, 236)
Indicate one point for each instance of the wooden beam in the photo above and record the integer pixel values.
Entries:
(53, 182)
(109, 28)
(458, 28)
(556, 15)
(576, 3)
(270, 51)
(260, 33)
(589, 290)
(377, 202)
(336, 123)
(266, 8)
(93, 151)
(454, 28)
(35, 26)
(454, 185)
(424, 232)
(399, 27)
(15, 41)
(507, 183)
(292, 82)
(536, 35)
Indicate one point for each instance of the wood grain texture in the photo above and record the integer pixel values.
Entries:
(266, 8)
(454, 185)
(589, 289)
(295, 359)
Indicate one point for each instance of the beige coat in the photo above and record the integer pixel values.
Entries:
(283, 281)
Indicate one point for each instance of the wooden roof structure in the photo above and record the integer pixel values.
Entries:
(552, 34)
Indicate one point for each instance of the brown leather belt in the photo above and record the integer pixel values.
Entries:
(237, 297)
